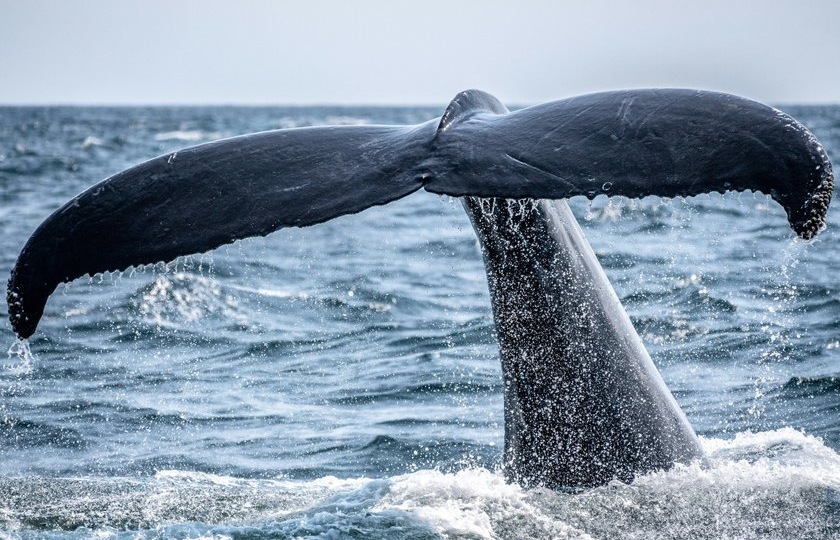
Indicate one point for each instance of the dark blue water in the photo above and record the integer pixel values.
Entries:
(342, 381)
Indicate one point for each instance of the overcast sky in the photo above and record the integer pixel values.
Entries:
(371, 51)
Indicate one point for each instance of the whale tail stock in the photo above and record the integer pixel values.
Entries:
(632, 143)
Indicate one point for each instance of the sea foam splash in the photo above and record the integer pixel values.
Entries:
(775, 484)
(20, 359)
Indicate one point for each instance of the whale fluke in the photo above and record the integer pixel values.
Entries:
(669, 142)
(200, 198)
(633, 143)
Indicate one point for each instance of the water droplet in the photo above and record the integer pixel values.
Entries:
(20, 351)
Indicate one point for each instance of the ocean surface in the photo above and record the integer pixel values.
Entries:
(343, 381)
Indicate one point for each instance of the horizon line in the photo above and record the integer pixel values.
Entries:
(336, 104)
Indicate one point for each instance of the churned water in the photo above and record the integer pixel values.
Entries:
(342, 381)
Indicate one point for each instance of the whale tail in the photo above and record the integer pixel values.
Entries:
(668, 142)
(632, 143)
(199, 198)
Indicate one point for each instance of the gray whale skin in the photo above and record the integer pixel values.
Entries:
(584, 403)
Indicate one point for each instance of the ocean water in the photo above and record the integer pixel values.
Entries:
(342, 380)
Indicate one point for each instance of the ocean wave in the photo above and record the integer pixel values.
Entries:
(90, 141)
(255, 359)
(178, 299)
(288, 122)
(814, 386)
(192, 135)
(775, 484)
(19, 433)
(475, 332)
(408, 392)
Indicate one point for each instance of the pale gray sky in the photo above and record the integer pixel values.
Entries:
(377, 51)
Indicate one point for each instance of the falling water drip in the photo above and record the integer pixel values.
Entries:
(590, 214)
(779, 325)
(20, 358)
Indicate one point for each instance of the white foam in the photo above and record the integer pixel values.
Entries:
(172, 299)
(344, 120)
(779, 483)
(187, 135)
(273, 293)
(473, 503)
(20, 359)
(92, 141)
(775, 484)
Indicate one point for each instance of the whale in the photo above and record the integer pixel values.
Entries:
(584, 402)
